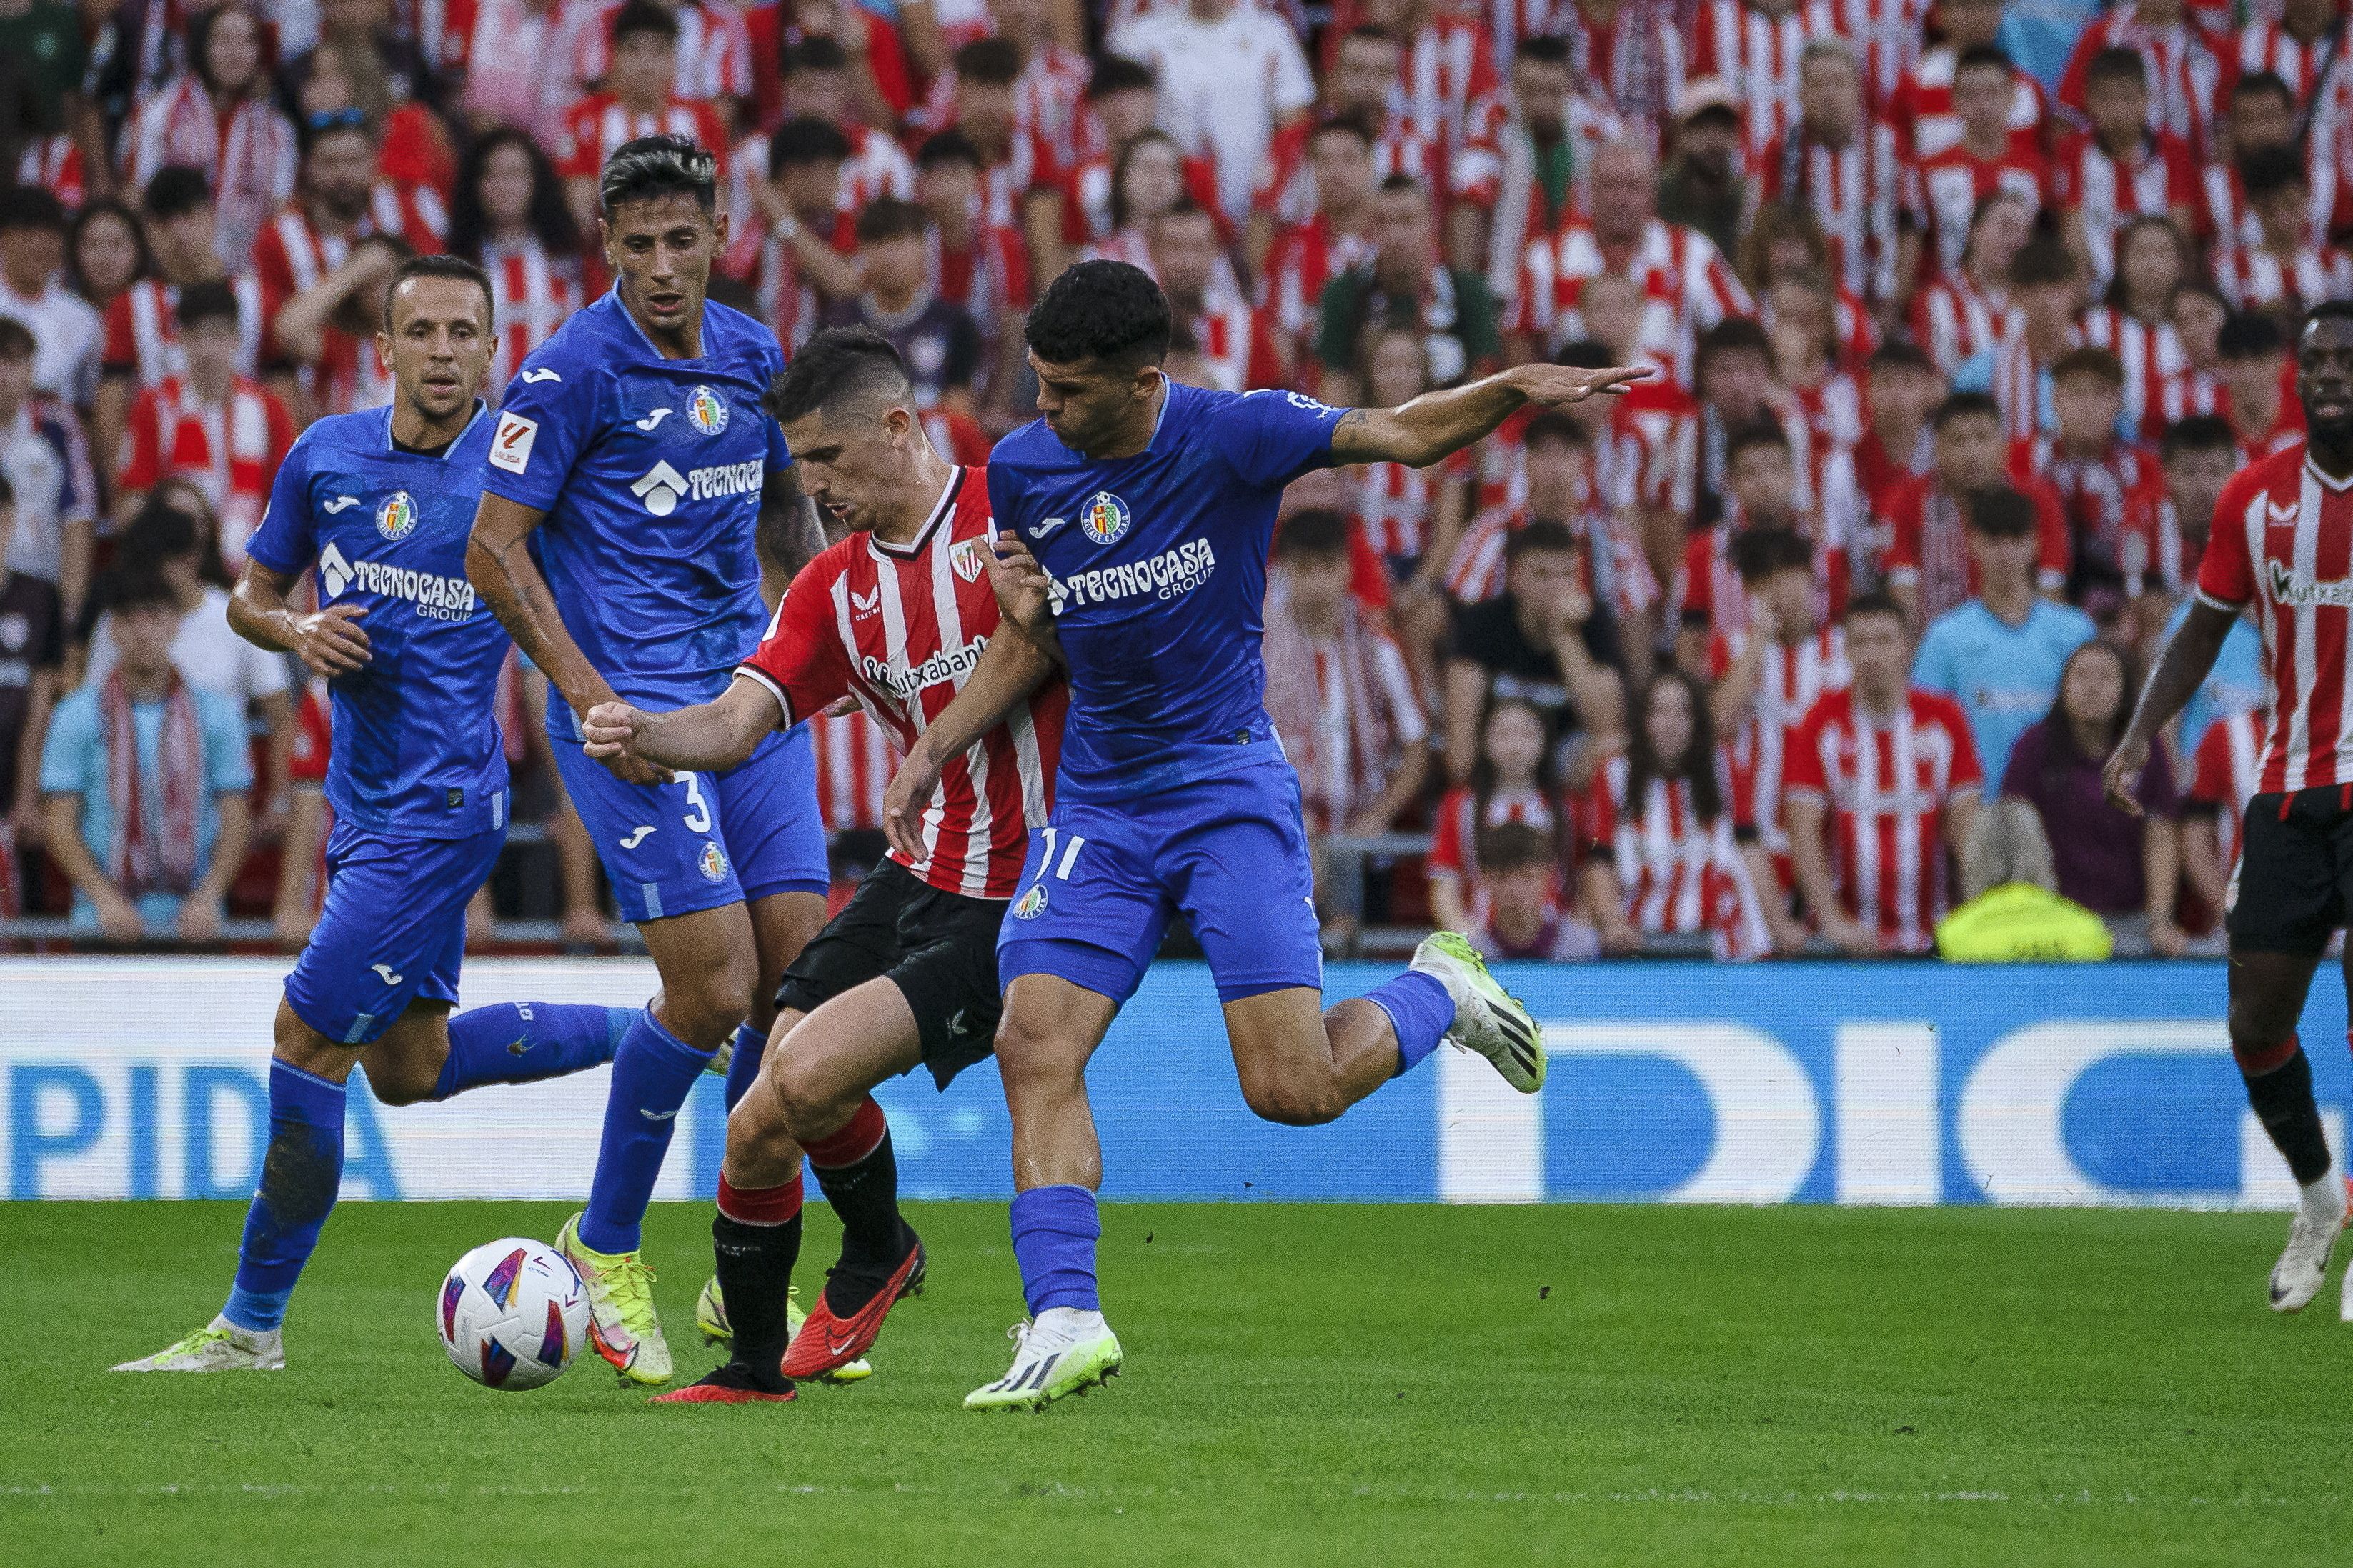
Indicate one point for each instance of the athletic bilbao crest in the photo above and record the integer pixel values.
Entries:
(396, 518)
(969, 558)
(713, 862)
(1031, 904)
(706, 411)
(1104, 517)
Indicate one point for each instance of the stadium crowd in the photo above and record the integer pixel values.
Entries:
(1960, 318)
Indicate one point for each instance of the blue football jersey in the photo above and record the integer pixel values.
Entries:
(416, 749)
(1158, 563)
(649, 471)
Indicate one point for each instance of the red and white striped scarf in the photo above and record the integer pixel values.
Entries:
(248, 158)
(153, 850)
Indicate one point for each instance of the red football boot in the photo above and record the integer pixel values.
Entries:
(827, 1342)
(727, 1385)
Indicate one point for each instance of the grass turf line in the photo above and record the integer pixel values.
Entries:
(1306, 1383)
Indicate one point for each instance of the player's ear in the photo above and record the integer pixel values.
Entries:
(719, 244)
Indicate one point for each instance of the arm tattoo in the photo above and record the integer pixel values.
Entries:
(790, 535)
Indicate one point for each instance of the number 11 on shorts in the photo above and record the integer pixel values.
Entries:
(1061, 873)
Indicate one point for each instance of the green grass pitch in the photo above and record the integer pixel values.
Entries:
(1305, 1385)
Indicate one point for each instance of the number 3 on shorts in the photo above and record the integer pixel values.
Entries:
(698, 812)
(1062, 870)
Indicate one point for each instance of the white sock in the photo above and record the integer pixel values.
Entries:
(2323, 1196)
(1076, 1322)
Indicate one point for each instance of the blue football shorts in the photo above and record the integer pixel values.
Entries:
(1102, 879)
(703, 840)
(392, 931)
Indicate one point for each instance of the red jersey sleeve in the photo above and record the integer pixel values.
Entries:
(1967, 773)
(1699, 576)
(2226, 576)
(1593, 813)
(800, 659)
(142, 458)
(1801, 759)
(122, 351)
(1445, 857)
(1902, 527)
(2210, 782)
(2057, 553)
(576, 149)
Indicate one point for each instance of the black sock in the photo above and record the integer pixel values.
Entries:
(756, 1269)
(2284, 1104)
(865, 1194)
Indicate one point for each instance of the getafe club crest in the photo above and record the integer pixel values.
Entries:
(706, 411)
(1104, 517)
(970, 558)
(396, 518)
(1031, 904)
(713, 863)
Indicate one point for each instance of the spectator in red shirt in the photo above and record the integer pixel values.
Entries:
(2109, 489)
(2252, 366)
(1510, 780)
(1520, 913)
(1928, 563)
(212, 425)
(1900, 390)
(2120, 169)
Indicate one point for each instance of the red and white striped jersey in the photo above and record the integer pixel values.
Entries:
(1885, 33)
(1754, 50)
(1396, 505)
(1887, 783)
(1236, 343)
(531, 293)
(1708, 590)
(1637, 64)
(1927, 543)
(1790, 678)
(2109, 500)
(230, 450)
(1687, 285)
(291, 254)
(877, 166)
(2159, 559)
(901, 628)
(1048, 103)
(1303, 258)
(2188, 72)
(248, 158)
(854, 763)
(2107, 194)
(1855, 190)
(142, 335)
(1285, 187)
(1678, 875)
(596, 127)
(1954, 321)
(1832, 409)
(988, 278)
(2268, 46)
(1923, 109)
(1463, 813)
(2224, 218)
(54, 163)
(1343, 705)
(2225, 775)
(2283, 539)
(715, 52)
(1443, 68)
(2252, 277)
(2154, 361)
(1617, 572)
(1942, 192)
(1086, 196)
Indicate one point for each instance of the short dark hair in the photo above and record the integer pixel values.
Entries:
(1399, 183)
(208, 302)
(1512, 844)
(17, 341)
(2119, 63)
(838, 363)
(157, 531)
(2090, 361)
(653, 167)
(2249, 334)
(798, 142)
(1370, 33)
(318, 128)
(1117, 73)
(125, 589)
(1874, 602)
(1313, 530)
(1540, 533)
(2197, 433)
(1734, 334)
(456, 267)
(992, 62)
(174, 191)
(1983, 56)
(1585, 353)
(1755, 433)
(2041, 260)
(948, 147)
(1966, 406)
(30, 206)
(643, 17)
(813, 55)
(2255, 84)
(1999, 512)
(1544, 48)
(1900, 354)
(2329, 310)
(2267, 171)
(1346, 125)
(1757, 553)
(1551, 424)
(1101, 309)
(889, 218)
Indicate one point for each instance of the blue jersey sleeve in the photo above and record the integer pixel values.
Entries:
(1004, 496)
(1273, 437)
(284, 542)
(549, 416)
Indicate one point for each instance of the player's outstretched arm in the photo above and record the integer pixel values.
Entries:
(1438, 424)
(710, 737)
(1010, 668)
(329, 642)
(2180, 670)
(499, 564)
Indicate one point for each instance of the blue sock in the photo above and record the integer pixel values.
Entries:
(1421, 1011)
(299, 1173)
(516, 1042)
(1054, 1234)
(652, 1073)
(744, 1065)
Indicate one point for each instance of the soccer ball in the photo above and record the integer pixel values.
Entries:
(513, 1313)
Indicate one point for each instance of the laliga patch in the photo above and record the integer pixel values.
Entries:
(1104, 517)
(1031, 904)
(396, 518)
(706, 411)
(712, 863)
(511, 446)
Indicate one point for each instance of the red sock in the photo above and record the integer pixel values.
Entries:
(760, 1206)
(858, 1138)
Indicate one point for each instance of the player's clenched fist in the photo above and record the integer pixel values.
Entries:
(330, 642)
(1023, 590)
(611, 731)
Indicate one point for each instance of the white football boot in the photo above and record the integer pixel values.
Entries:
(1062, 1350)
(218, 1346)
(1488, 1019)
(2312, 1235)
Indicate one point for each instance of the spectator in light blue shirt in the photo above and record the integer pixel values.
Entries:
(151, 848)
(2000, 654)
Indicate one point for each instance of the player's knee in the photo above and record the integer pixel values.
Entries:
(760, 1148)
(805, 1096)
(1032, 1055)
(1290, 1101)
(703, 1008)
(298, 1044)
